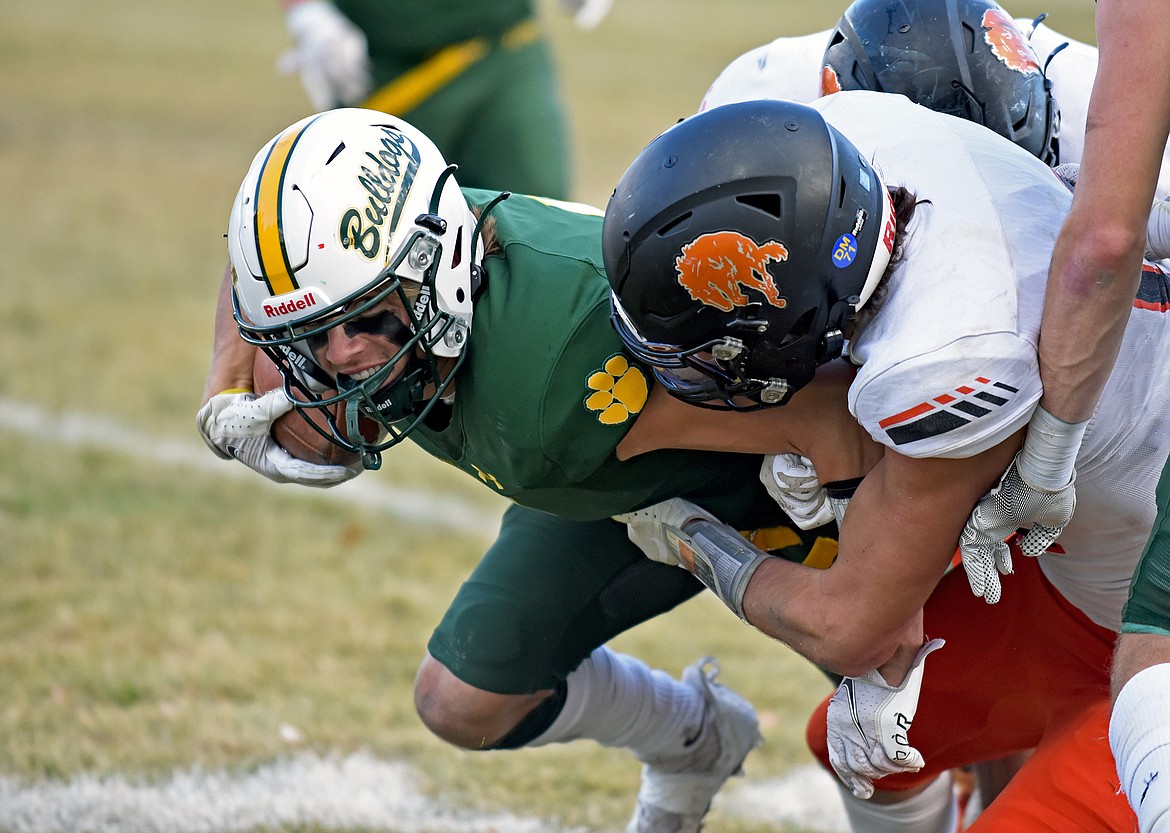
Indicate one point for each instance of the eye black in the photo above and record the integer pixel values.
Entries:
(384, 323)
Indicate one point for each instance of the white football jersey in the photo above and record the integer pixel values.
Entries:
(948, 363)
(786, 68)
(790, 68)
(948, 360)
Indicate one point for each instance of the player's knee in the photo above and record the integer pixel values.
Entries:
(464, 715)
(438, 696)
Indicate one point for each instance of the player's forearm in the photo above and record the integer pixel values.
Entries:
(232, 357)
(1090, 294)
(795, 605)
(1136, 652)
(1095, 268)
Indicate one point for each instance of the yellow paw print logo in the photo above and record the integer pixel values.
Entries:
(619, 391)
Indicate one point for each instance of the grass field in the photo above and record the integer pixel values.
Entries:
(157, 615)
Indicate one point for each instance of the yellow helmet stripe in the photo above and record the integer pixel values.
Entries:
(274, 262)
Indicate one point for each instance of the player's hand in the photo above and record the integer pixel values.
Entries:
(237, 424)
(587, 13)
(1013, 504)
(330, 53)
(869, 724)
(657, 529)
(1035, 493)
(792, 482)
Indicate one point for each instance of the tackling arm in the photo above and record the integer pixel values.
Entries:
(900, 533)
(896, 541)
(1095, 266)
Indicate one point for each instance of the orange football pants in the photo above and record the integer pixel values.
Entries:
(1030, 671)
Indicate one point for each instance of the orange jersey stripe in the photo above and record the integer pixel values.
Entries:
(917, 410)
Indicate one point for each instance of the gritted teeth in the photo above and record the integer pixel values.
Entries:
(362, 375)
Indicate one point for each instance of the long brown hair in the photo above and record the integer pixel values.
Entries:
(906, 202)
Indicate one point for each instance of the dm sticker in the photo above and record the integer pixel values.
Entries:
(845, 251)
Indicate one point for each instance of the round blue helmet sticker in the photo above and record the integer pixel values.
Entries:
(845, 251)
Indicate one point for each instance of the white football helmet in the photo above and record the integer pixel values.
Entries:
(337, 212)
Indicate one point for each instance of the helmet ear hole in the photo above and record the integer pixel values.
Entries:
(800, 328)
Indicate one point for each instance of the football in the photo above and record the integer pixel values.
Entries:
(295, 435)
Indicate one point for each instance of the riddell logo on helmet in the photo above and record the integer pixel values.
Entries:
(715, 268)
(1008, 43)
(291, 305)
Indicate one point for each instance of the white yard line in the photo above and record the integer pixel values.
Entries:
(76, 429)
(356, 792)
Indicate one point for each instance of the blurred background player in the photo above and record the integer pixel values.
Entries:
(477, 76)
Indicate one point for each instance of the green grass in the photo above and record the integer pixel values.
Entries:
(154, 620)
(154, 617)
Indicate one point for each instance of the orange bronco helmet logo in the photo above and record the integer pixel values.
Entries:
(713, 267)
(1008, 43)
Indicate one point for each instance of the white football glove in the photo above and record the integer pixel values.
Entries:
(330, 53)
(1036, 491)
(656, 529)
(792, 482)
(587, 13)
(1069, 173)
(237, 425)
(869, 723)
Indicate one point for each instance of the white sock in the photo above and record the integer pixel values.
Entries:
(618, 700)
(1139, 735)
(934, 810)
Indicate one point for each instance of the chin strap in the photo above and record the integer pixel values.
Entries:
(371, 460)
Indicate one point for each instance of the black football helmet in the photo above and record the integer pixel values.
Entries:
(738, 245)
(966, 58)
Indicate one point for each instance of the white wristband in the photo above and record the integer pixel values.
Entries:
(1050, 450)
(1139, 734)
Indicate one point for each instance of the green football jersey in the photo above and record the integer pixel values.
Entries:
(547, 392)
